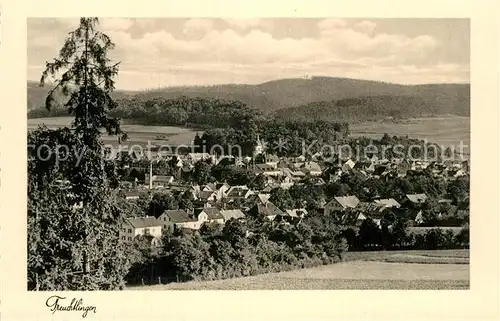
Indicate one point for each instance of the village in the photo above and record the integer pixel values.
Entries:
(219, 202)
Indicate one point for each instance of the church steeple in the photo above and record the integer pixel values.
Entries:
(259, 147)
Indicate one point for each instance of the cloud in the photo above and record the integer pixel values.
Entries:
(328, 24)
(145, 23)
(204, 51)
(360, 42)
(366, 26)
(246, 24)
(116, 23)
(197, 26)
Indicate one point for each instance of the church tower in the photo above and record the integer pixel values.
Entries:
(259, 147)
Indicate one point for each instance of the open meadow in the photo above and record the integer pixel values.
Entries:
(137, 134)
(403, 270)
(446, 130)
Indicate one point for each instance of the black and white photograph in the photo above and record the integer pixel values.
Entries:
(248, 154)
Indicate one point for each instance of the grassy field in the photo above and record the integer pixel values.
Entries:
(420, 257)
(441, 130)
(444, 130)
(138, 134)
(434, 270)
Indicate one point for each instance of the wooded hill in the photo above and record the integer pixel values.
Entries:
(319, 97)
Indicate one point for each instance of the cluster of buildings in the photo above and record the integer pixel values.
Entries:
(220, 202)
(286, 171)
(212, 203)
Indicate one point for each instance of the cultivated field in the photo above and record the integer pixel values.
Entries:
(137, 134)
(433, 270)
(449, 130)
(446, 131)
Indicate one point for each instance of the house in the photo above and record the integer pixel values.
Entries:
(208, 196)
(370, 210)
(466, 166)
(353, 218)
(269, 210)
(418, 165)
(321, 203)
(383, 161)
(239, 192)
(141, 164)
(297, 212)
(455, 173)
(462, 213)
(356, 216)
(148, 226)
(335, 173)
(156, 181)
(363, 166)
(179, 219)
(285, 185)
(418, 217)
(209, 214)
(397, 161)
(341, 203)
(271, 160)
(179, 163)
(381, 170)
(318, 157)
(132, 195)
(417, 198)
(404, 164)
(348, 165)
(196, 157)
(225, 159)
(199, 203)
(232, 214)
(193, 191)
(318, 181)
(293, 175)
(208, 187)
(277, 180)
(267, 170)
(388, 203)
(300, 159)
(311, 168)
(268, 188)
(259, 198)
(448, 211)
(221, 189)
(239, 162)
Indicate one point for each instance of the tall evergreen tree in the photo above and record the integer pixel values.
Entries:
(73, 218)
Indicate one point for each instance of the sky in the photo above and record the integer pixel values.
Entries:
(177, 52)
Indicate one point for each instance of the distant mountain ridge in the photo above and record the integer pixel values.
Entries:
(317, 96)
(376, 108)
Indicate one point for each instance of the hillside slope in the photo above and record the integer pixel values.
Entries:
(272, 96)
(36, 95)
(378, 107)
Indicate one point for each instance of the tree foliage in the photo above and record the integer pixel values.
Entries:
(73, 247)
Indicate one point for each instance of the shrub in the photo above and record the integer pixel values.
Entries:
(435, 239)
(461, 240)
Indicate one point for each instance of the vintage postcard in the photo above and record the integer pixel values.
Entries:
(206, 162)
